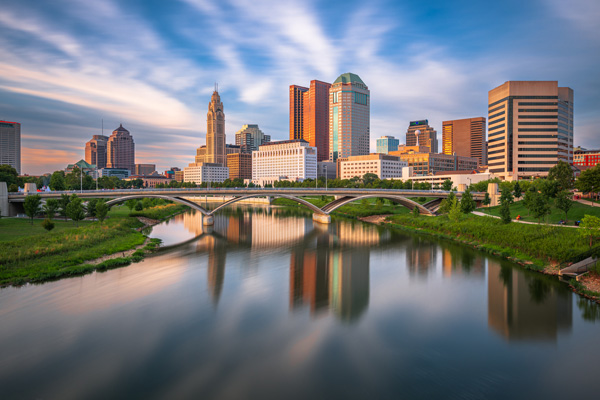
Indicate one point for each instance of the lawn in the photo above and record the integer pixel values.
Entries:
(576, 213)
(358, 208)
(14, 228)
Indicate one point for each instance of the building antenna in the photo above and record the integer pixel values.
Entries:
(216, 87)
(102, 126)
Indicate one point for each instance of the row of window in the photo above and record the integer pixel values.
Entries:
(539, 123)
(536, 143)
(491, 128)
(521, 116)
(496, 109)
(536, 162)
(537, 130)
(552, 110)
(496, 115)
(537, 155)
(496, 139)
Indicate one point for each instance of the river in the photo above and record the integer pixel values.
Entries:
(268, 305)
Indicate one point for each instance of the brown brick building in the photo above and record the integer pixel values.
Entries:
(464, 137)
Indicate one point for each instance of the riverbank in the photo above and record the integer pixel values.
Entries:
(72, 251)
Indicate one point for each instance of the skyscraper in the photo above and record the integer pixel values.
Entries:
(297, 111)
(385, 144)
(421, 134)
(121, 150)
(349, 104)
(530, 128)
(215, 131)
(464, 137)
(10, 144)
(95, 151)
(250, 137)
(309, 116)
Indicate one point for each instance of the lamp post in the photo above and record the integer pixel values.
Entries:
(81, 180)
(326, 178)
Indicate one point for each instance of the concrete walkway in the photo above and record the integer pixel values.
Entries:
(479, 213)
(588, 203)
(578, 268)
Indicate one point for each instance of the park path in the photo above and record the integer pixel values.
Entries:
(588, 203)
(479, 213)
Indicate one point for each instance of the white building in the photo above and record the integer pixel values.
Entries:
(384, 166)
(294, 159)
(205, 172)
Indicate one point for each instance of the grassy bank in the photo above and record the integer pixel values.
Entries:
(576, 213)
(14, 228)
(354, 209)
(160, 212)
(66, 251)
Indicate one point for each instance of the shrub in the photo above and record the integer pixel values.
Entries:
(47, 224)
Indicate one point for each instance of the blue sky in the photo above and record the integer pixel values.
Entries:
(68, 64)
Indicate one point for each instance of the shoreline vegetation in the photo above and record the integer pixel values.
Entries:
(71, 250)
(541, 248)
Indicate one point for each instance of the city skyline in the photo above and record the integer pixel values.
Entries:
(66, 68)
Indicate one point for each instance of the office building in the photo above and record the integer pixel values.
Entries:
(10, 144)
(95, 151)
(120, 173)
(145, 169)
(297, 111)
(121, 150)
(150, 181)
(349, 105)
(87, 168)
(293, 159)
(382, 165)
(585, 157)
(250, 137)
(215, 131)
(530, 128)
(326, 169)
(419, 133)
(424, 164)
(385, 144)
(240, 166)
(464, 137)
(205, 172)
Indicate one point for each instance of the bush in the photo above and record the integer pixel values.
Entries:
(139, 206)
(47, 224)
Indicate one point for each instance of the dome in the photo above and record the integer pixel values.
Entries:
(120, 129)
(349, 77)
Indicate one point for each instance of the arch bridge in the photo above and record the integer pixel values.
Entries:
(234, 195)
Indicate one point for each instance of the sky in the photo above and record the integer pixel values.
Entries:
(68, 65)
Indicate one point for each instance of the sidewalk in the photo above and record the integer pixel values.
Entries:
(479, 213)
(588, 203)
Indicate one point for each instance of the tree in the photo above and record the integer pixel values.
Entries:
(139, 206)
(32, 205)
(51, 207)
(446, 204)
(63, 202)
(415, 212)
(75, 209)
(467, 204)
(454, 214)
(505, 211)
(564, 202)
(589, 181)
(131, 204)
(101, 210)
(589, 227)
(47, 224)
(528, 198)
(57, 181)
(563, 174)
(506, 196)
(447, 185)
(486, 199)
(91, 207)
(8, 174)
(548, 187)
(539, 206)
(517, 190)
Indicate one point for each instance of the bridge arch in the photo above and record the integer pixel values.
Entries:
(250, 196)
(396, 199)
(188, 203)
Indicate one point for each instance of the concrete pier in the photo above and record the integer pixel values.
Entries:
(208, 220)
(4, 210)
(322, 218)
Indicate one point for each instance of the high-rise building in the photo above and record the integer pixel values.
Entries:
(95, 151)
(120, 151)
(385, 144)
(240, 165)
(464, 137)
(293, 159)
(250, 137)
(530, 128)
(10, 144)
(419, 133)
(297, 111)
(349, 105)
(145, 169)
(309, 116)
(215, 131)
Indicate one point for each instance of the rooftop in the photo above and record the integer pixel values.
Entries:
(349, 77)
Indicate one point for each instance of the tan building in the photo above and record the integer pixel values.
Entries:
(382, 165)
(10, 144)
(419, 133)
(430, 163)
(205, 172)
(95, 151)
(297, 111)
(215, 131)
(145, 169)
(349, 116)
(150, 181)
(178, 176)
(464, 137)
(121, 150)
(240, 166)
(250, 137)
(294, 159)
(530, 128)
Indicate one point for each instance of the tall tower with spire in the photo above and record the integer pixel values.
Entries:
(215, 133)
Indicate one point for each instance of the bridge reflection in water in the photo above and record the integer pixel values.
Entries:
(329, 267)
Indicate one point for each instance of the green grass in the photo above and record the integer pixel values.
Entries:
(576, 213)
(14, 228)
(538, 244)
(160, 212)
(354, 209)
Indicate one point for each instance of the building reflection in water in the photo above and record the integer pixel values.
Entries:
(421, 257)
(462, 261)
(525, 307)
